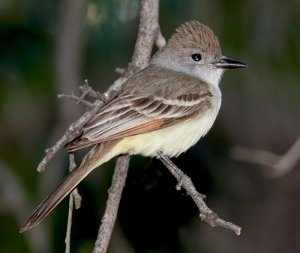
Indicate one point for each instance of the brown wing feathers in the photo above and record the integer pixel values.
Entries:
(141, 111)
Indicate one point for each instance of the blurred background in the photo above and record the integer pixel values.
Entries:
(50, 47)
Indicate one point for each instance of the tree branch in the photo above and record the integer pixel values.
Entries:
(73, 131)
(74, 197)
(86, 90)
(206, 214)
(112, 205)
(279, 164)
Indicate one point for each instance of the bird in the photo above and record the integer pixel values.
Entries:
(165, 107)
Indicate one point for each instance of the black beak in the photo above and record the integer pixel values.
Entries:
(227, 63)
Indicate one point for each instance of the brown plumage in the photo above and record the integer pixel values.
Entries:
(167, 107)
(195, 34)
(137, 110)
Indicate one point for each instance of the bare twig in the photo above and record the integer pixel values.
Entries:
(279, 164)
(112, 204)
(79, 100)
(86, 91)
(72, 166)
(73, 131)
(69, 225)
(206, 214)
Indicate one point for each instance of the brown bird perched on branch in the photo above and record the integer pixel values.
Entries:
(167, 107)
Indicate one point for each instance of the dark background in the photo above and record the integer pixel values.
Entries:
(49, 47)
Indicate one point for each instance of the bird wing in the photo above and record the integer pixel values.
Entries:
(174, 97)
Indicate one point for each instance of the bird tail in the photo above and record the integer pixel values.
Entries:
(98, 155)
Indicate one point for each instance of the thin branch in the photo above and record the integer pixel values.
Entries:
(69, 225)
(79, 100)
(86, 90)
(73, 131)
(279, 164)
(206, 214)
(112, 204)
(72, 165)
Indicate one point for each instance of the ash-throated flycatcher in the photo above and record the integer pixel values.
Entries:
(168, 107)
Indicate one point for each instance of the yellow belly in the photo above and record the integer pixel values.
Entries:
(172, 140)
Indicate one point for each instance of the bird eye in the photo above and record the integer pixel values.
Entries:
(196, 57)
